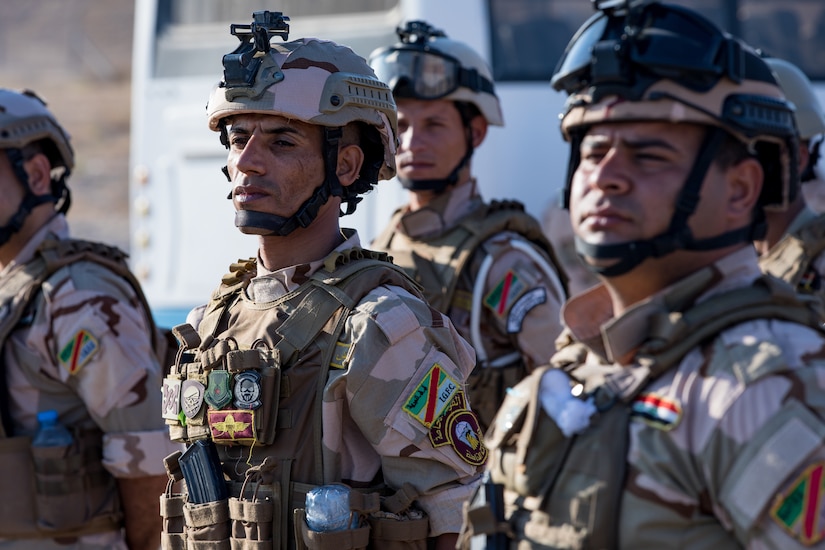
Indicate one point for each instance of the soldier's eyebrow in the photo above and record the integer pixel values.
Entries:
(280, 129)
(594, 141)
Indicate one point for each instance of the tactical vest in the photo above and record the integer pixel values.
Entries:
(73, 493)
(277, 356)
(565, 492)
(790, 259)
(437, 262)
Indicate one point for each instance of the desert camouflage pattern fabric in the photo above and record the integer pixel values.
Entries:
(725, 449)
(84, 349)
(392, 345)
(520, 306)
(799, 257)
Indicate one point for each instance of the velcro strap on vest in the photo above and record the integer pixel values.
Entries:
(171, 507)
(250, 510)
(204, 515)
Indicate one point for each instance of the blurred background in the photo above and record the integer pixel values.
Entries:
(168, 208)
(77, 54)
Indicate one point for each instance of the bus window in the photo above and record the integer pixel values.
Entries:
(529, 36)
(793, 30)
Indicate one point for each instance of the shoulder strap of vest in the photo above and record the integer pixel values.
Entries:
(791, 256)
(673, 334)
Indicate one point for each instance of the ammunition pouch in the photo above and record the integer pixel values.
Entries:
(254, 518)
(55, 492)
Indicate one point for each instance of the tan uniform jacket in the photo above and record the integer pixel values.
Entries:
(84, 348)
(725, 449)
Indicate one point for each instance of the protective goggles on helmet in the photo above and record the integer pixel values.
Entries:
(623, 46)
(424, 73)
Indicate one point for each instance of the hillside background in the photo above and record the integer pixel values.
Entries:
(77, 55)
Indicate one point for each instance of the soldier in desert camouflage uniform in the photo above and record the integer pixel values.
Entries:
(77, 338)
(487, 265)
(687, 408)
(333, 367)
(794, 245)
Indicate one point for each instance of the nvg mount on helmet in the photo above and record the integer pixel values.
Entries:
(241, 67)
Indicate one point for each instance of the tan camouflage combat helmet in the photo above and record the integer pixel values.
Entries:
(314, 81)
(637, 60)
(425, 64)
(24, 119)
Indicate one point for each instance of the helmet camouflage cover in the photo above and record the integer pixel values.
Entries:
(25, 119)
(317, 82)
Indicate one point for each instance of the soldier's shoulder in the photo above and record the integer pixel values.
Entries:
(394, 311)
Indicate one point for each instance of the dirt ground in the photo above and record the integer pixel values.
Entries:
(77, 55)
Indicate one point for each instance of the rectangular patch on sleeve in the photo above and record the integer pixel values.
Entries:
(505, 293)
(432, 396)
(799, 508)
(78, 351)
(339, 356)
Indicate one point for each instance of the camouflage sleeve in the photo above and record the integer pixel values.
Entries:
(522, 298)
(97, 338)
(738, 436)
(400, 396)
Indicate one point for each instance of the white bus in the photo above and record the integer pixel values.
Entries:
(181, 225)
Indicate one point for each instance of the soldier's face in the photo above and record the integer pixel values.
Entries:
(274, 163)
(630, 174)
(433, 138)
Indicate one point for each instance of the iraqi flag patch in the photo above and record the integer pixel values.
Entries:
(657, 411)
(799, 509)
(78, 351)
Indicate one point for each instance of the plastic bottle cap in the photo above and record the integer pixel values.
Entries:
(47, 416)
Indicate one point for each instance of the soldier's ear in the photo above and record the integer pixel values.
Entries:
(350, 159)
(478, 130)
(39, 170)
(745, 180)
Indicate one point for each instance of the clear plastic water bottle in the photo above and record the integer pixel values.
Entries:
(327, 509)
(51, 433)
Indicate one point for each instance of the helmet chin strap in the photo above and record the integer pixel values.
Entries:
(265, 224)
(30, 200)
(678, 235)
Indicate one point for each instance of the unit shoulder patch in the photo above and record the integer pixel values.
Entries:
(522, 307)
(459, 428)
